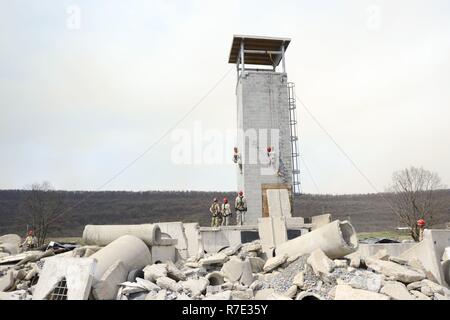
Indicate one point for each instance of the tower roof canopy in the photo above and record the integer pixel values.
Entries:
(258, 50)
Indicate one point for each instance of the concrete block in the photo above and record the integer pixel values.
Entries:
(154, 271)
(396, 290)
(215, 240)
(176, 231)
(279, 203)
(78, 273)
(346, 292)
(194, 239)
(320, 263)
(272, 233)
(395, 271)
(320, 220)
(108, 285)
(429, 252)
(195, 286)
(163, 253)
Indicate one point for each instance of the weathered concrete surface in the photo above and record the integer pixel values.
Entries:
(396, 290)
(429, 252)
(393, 249)
(155, 271)
(194, 239)
(346, 292)
(272, 233)
(132, 251)
(279, 203)
(218, 258)
(78, 272)
(320, 220)
(274, 262)
(108, 285)
(195, 286)
(19, 257)
(320, 263)
(395, 271)
(105, 234)
(176, 231)
(336, 239)
(216, 239)
(163, 253)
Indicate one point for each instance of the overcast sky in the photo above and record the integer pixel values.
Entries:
(81, 96)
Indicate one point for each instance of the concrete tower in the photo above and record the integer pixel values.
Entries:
(264, 119)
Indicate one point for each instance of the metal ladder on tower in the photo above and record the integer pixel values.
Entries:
(294, 138)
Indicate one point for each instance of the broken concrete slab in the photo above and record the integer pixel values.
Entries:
(336, 239)
(395, 271)
(264, 294)
(225, 295)
(320, 263)
(396, 290)
(274, 262)
(76, 273)
(419, 295)
(195, 286)
(257, 264)
(218, 258)
(154, 271)
(242, 295)
(173, 271)
(272, 232)
(346, 292)
(279, 203)
(107, 287)
(169, 284)
(429, 252)
(299, 279)
(103, 235)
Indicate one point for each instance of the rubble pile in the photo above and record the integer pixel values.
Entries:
(242, 272)
(127, 267)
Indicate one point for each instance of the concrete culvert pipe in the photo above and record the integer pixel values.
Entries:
(132, 251)
(215, 278)
(336, 239)
(308, 296)
(103, 235)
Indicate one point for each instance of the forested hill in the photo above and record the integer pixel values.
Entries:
(367, 212)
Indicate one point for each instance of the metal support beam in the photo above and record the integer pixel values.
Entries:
(262, 51)
(282, 58)
(242, 56)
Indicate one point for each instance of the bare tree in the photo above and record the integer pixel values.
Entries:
(415, 197)
(42, 206)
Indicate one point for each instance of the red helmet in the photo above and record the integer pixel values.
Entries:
(241, 193)
(225, 199)
(269, 149)
(420, 222)
(30, 232)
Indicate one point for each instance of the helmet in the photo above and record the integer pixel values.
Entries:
(241, 193)
(215, 199)
(225, 199)
(269, 149)
(420, 222)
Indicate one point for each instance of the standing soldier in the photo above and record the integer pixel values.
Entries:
(226, 212)
(215, 212)
(421, 226)
(237, 159)
(240, 205)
